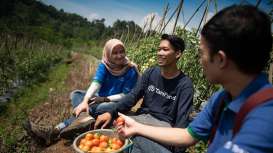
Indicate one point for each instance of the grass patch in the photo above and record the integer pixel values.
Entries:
(92, 47)
(14, 113)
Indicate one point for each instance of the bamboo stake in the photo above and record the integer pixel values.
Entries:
(166, 9)
(147, 33)
(203, 16)
(132, 39)
(258, 3)
(194, 13)
(206, 11)
(128, 34)
(215, 6)
(177, 16)
(169, 20)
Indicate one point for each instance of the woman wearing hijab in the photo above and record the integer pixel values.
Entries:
(116, 75)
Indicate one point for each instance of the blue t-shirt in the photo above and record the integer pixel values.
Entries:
(256, 133)
(111, 85)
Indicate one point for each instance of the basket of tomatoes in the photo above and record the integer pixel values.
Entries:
(101, 141)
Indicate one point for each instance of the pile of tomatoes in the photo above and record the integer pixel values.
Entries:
(96, 142)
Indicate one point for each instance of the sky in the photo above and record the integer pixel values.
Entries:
(140, 11)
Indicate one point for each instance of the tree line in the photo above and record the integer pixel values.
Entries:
(33, 18)
(35, 37)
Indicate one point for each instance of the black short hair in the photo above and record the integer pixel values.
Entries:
(243, 32)
(176, 42)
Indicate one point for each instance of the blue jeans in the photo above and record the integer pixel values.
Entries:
(145, 145)
(77, 96)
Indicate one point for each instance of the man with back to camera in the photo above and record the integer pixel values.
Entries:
(234, 50)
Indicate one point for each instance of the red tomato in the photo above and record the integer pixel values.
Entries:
(88, 143)
(115, 146)
(96, 149)
(103, 138)
(114, 140)
(81, 146)
(97, 135)
(83, 141)
(120, 121)
(119, 142)
(85, 148)
(95, 142)
(103, 144)
(89, 136)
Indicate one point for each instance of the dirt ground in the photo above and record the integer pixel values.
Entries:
(58, 106)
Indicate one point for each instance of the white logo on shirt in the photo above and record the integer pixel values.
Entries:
(152, 88)
(234, 148)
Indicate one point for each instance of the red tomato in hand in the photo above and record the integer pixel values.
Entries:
(120, 121)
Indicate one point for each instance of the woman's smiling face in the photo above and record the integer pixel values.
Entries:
(118, 55)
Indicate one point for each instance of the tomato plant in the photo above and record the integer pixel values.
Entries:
(144, 54)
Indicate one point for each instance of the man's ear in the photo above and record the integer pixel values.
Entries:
(178, 54)
(222, 59)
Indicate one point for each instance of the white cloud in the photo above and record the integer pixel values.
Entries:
(156, 22)
(151, 17)
(93, 16)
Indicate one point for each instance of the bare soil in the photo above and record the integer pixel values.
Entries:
(58, 106)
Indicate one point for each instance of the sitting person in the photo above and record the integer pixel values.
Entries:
(235, 48)
(116, 75)
(167, 96)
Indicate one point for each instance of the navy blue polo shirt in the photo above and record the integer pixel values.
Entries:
(256, 133)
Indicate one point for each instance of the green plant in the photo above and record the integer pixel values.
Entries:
(144, 54)
(25, 60)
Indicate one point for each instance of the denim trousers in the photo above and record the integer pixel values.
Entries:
(77, 96)
(145, 145)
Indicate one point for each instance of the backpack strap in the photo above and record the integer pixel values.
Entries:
(253, 101)
(218, 111)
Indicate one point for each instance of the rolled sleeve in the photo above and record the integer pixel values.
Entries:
(100, 73)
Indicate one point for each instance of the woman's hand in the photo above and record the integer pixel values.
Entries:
(83, 106)
(129, 128)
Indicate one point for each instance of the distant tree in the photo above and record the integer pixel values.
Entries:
(41, 21)
(120, 27)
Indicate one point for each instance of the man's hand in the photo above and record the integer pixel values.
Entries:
(103, 119)
(130, 127)
(83, 106)
(97, 100)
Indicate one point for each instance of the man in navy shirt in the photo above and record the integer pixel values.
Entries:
(234, 50)
(167, 96)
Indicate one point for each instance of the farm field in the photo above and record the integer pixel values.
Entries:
(49, 53)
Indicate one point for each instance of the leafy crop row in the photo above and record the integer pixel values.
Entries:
(24, 60)
(144, 53)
